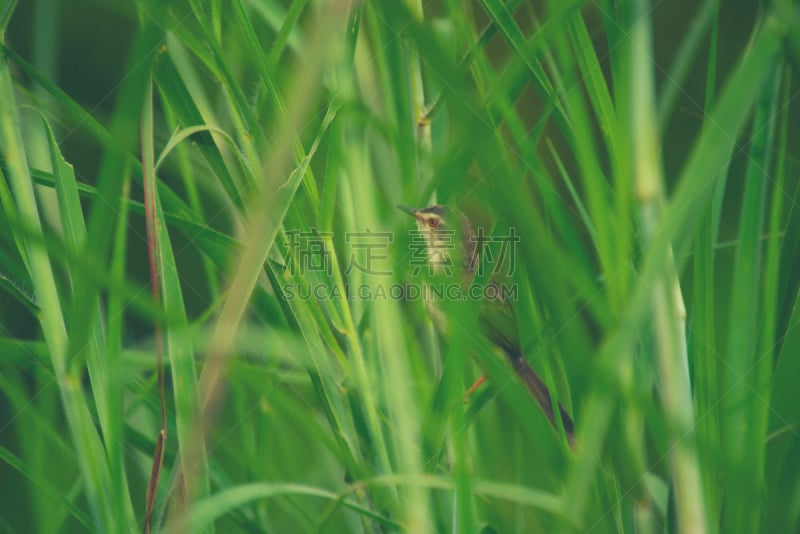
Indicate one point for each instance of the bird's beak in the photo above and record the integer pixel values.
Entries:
(409, 210)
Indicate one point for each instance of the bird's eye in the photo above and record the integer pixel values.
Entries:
(433, 222)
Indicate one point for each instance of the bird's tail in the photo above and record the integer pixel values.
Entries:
(541, 395)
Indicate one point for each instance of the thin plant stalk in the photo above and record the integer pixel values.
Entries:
(669, 312)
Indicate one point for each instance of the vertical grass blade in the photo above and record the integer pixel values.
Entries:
(107, 399)
(668, 310)
(156, 267)
(744, 405)
(710, 154)
(51, 318)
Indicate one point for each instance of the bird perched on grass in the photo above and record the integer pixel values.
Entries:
(452, 247)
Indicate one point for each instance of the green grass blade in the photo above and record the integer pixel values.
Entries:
(703, 340)
(767, 345)
(679, 69)
(287, 31)
(270, 206)
(74, 228)
(223, 502)
(5, 17)
(743, 410)
(710, 154)
(177, 96)
(272, 139)
(668, 310)
(194, 468)
(51, 318)
(44, 485)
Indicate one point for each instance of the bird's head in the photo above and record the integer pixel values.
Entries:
(432, 219)
(448, 235)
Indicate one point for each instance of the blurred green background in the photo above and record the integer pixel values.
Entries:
(541, 130)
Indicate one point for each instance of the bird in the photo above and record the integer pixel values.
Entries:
(451, 248)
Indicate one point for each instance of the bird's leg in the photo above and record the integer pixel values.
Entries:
(473, 387)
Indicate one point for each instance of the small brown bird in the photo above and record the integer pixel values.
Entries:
(450, 244)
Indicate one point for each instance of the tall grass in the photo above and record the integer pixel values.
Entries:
(255, 151)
